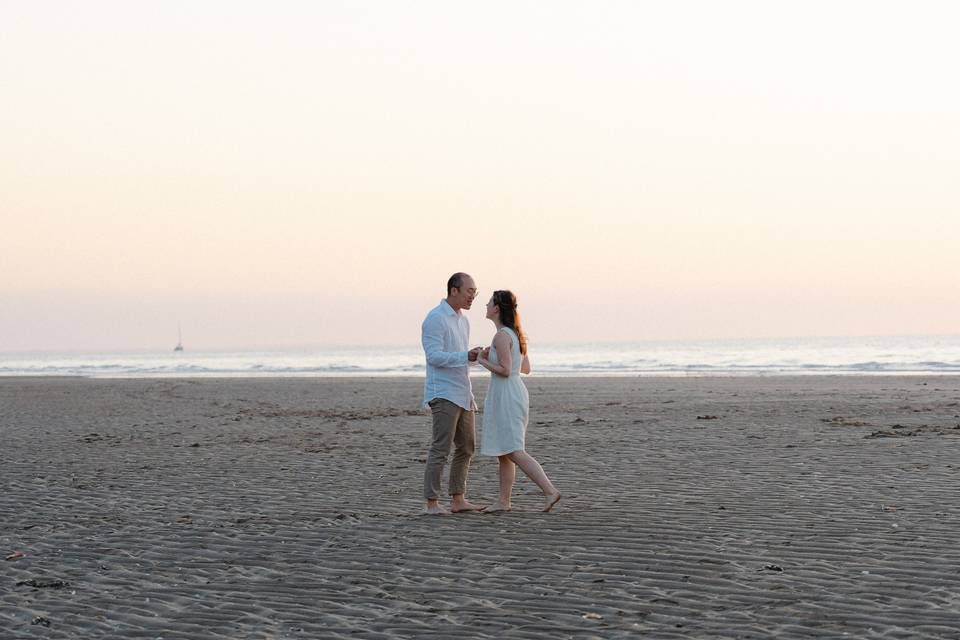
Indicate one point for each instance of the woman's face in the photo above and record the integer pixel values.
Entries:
(492, 309)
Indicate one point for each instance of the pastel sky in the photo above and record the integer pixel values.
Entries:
(309, 173)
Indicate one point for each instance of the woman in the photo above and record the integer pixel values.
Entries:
(507, 405)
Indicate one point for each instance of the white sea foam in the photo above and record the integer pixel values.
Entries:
(799, 356)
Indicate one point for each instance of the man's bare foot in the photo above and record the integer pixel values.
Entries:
(434, 509)
(552, 500)
(498, 507)
(462, 505)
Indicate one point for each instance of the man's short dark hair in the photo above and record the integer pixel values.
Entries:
(455, 281)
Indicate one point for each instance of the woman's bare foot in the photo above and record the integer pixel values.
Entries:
(498, 507)
(552, 500)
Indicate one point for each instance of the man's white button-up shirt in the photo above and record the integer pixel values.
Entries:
(445, 335)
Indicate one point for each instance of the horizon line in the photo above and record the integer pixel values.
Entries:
(407, 344)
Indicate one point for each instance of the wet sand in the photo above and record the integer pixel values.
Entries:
(290, 508)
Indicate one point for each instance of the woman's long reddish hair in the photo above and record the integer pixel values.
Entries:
(509, 316)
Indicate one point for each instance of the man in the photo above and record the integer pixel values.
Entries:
(445, 335)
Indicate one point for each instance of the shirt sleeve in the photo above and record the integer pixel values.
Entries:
(431, 336)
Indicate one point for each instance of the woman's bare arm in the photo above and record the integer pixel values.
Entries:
(501, 342)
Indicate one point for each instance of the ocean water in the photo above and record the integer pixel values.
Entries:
(796, 356)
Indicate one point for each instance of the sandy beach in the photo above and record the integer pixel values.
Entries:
(290, 508)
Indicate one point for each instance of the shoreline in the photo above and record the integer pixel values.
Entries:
(547, 376)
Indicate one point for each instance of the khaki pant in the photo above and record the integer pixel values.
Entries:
(452, 425)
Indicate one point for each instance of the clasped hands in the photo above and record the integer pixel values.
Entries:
(482, 353)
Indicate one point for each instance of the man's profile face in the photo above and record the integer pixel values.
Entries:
(465, 293)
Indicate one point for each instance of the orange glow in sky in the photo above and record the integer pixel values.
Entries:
(311, 173)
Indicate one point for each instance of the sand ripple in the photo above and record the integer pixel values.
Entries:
(290, 509)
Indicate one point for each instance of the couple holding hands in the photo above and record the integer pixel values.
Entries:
(445, 335)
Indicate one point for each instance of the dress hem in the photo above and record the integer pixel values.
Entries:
(502, 453)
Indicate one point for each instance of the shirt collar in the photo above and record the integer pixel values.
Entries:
(447, 309)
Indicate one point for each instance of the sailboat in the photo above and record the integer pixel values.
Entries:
(179, 346)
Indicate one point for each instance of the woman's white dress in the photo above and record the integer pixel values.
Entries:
(506, 408)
